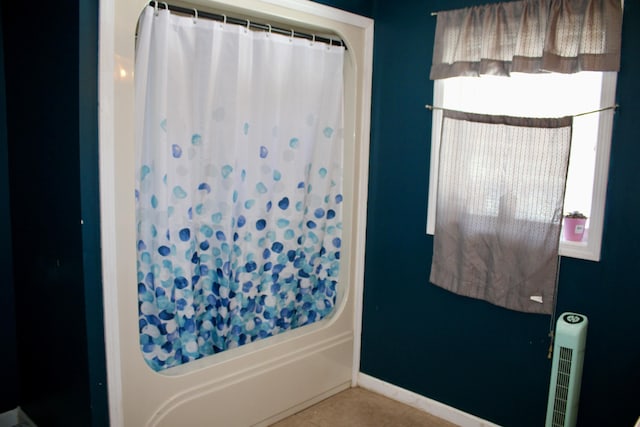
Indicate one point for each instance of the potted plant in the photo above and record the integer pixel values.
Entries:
(574, 226)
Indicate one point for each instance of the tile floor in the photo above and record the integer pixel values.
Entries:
(358, 407)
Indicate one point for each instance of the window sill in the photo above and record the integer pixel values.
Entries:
(580, 250)
(588, 249)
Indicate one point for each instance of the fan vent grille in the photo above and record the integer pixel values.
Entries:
(562, 387)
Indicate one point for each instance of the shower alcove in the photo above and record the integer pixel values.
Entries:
(260, 382)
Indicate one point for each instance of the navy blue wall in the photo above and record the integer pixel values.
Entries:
(51, 96)
(42, 113)
(360, 7)
(468, 354)
(89, 187)
(471, 355)
(8, 355)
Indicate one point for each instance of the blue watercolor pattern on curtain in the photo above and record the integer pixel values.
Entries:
(239, 185)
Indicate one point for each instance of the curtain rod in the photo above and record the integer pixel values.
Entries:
(611, 107)
(247, 23)
(436, 13)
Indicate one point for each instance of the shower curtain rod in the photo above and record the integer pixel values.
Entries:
(247, 23)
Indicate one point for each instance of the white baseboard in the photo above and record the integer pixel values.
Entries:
(425, 404)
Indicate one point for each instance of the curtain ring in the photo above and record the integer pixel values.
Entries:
(330, 43)
(293, 34)
(155, 7)
(248, 26)
(166, 6)
(195, 15)
(224, 19)
(313, 39)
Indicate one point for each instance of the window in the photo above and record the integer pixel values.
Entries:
(544, 95)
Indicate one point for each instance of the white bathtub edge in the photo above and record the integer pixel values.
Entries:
(9, 418)
(14, 417)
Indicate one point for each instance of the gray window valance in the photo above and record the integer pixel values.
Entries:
(529, 36)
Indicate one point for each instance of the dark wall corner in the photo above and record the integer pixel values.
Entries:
(8, 356)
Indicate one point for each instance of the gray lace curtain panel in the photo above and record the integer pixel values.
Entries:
(499, 208)
(529, 36)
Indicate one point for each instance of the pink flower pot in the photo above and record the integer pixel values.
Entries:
(574, 229)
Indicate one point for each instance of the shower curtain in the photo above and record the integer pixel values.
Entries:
(239, 184)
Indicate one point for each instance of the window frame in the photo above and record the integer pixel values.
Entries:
(590, 250)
